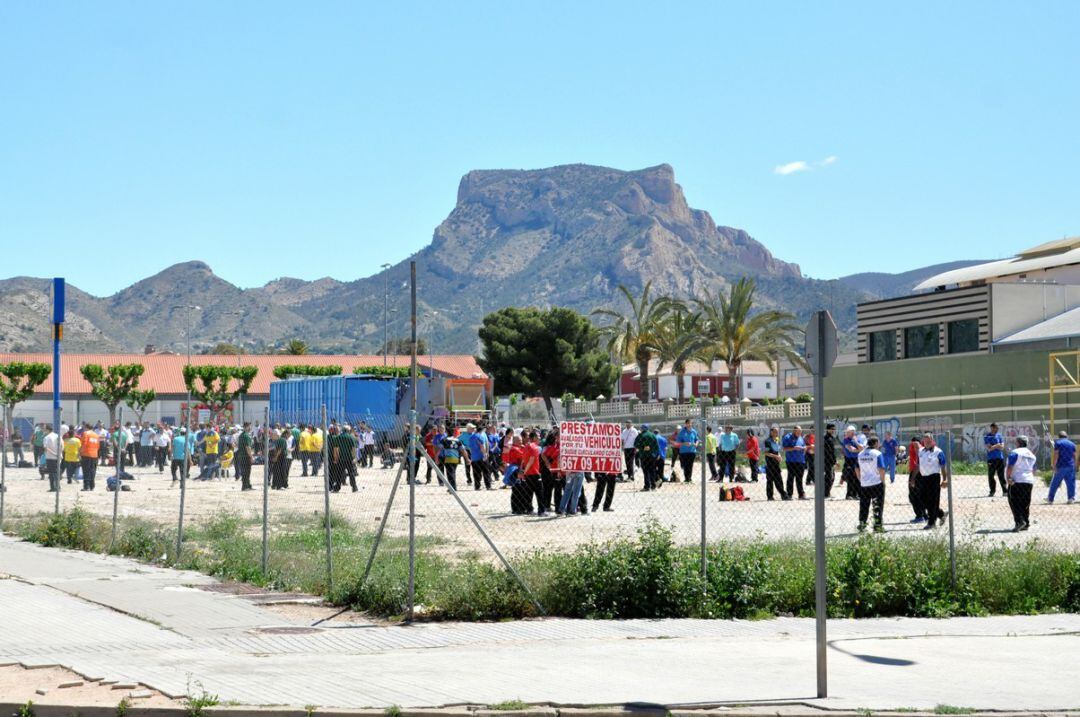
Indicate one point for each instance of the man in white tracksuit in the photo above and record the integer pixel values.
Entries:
(871, 485)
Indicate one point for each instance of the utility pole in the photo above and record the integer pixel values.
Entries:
(385, 312)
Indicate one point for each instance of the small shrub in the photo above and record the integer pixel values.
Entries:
(509, 706)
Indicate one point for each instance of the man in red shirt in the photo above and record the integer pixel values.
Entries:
(531, 472)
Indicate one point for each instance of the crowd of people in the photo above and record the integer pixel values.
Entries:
(525, 461)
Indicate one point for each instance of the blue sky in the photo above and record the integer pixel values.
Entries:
(250, 134)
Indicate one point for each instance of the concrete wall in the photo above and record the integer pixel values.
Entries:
(1014, 307)
(91, 410)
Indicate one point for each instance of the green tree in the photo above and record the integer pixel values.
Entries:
(633, 335)
(286, 370)
(737, 334)
(112, 385)
(224, 348)
(18, 380)
(680, 338)
(548, 353)
(218, 386)
(295, 347)
(137, 400)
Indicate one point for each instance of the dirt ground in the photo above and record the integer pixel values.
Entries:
(154, 496)
(60, 686)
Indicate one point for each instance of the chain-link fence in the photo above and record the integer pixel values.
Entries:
(331, 507)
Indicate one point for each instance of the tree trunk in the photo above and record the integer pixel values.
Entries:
(680, 391)
(550, 406)
(643, 377)
(733, 382)
(112, 416)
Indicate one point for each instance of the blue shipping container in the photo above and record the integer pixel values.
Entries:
(347, 399)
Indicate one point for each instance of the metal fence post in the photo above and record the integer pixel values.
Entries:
(266, 490)
(183, 478)
(703, 480)
(116, 488)
(3, 465)
(412, 471)
(326, 505)
(952, 531)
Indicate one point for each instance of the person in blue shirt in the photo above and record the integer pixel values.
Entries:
(477, 445)
(849, 475)
(1063, 461)
(726, 450)
(794, 447)
(661, 458)
(889, 448)
(687, 442)
(180, 452)
(995, 459)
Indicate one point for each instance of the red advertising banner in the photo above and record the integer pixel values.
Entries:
(590, 447)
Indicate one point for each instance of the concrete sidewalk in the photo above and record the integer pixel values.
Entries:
(117, 619)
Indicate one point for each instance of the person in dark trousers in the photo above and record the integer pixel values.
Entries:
(244, 457)
(794, 447)
(646, 448)
(828, 458)
(605, 491)
(711, 445)
(914, 496)
(753, 455)
(279, 460)
(871, 485)
(450, 455)
(849, 475)
(995, 459)
(1021, 479)
(550, 479)
(91, 445)
(629, 438)
(772, 451)
(726, 450)
(686, 443)
(811, 468)
(933, 476)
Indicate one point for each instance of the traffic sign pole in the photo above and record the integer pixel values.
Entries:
(821, 349)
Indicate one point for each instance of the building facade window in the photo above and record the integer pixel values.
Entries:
(883, 345)
(920, 341)
(791, 378)
(963, 336)
(749, 384)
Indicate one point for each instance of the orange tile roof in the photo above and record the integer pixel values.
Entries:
(163, 371)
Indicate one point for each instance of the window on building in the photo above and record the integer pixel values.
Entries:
(921, 341)
(768, 384)
(963, 336)
(883, 345)
(791, 378)
(749, 384)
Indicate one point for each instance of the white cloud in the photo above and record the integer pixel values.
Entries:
(791, 168)
(801, 166)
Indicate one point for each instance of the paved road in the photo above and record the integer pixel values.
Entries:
(117, 619)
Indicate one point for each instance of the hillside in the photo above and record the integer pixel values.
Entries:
(563, 236)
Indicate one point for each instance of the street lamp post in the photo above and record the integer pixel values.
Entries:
(187, 437)
(386, 304)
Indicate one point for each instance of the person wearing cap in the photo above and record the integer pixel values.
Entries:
(995, 459)
(728, 445)
(244, 456)
(1063, 464)
(794, 448)
(849, 473)
(629, 438)
(1020, 478)
(180, 451)
(773, 452)
(933, 476)
(871, 485)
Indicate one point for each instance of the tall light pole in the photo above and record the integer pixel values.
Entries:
(385, 306)
(239, 350)
(187, 437)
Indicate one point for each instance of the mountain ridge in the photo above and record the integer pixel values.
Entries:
(566, 235)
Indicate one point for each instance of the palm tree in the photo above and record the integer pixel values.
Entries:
(633, 336)
(295, 347)
(681, 338)
(737, 334)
